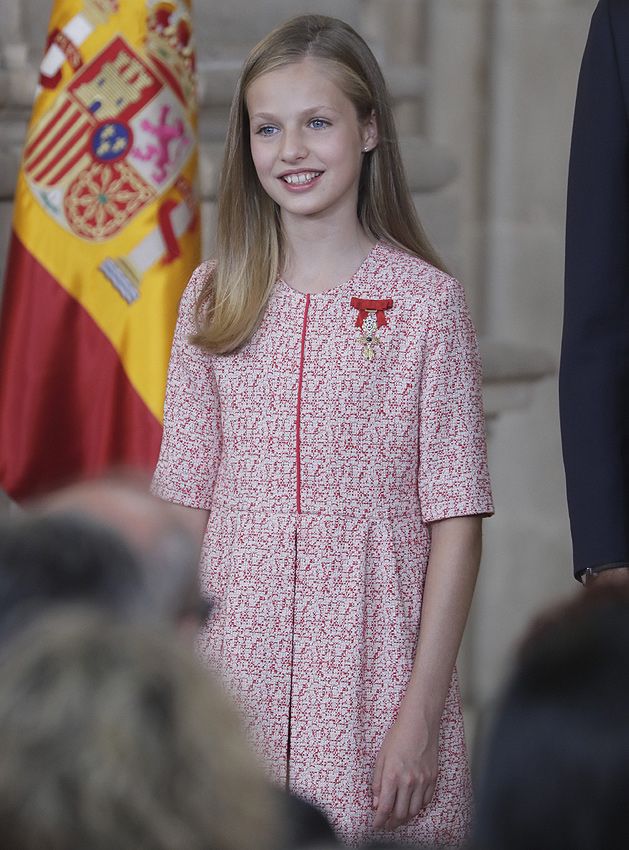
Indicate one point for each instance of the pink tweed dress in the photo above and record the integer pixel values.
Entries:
(323, 449)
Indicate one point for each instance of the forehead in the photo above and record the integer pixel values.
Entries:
(307, 83)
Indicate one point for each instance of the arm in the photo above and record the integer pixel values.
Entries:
(594, 371)
(454, 493)
(406, 768)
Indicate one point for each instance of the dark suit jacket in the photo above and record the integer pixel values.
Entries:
(594, 374)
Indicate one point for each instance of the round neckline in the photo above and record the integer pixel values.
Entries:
(339, 286)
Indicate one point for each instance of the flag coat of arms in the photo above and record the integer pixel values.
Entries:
(105, 236)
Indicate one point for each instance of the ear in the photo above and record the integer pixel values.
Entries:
(369, 132)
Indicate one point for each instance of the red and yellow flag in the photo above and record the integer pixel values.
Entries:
(105, 236)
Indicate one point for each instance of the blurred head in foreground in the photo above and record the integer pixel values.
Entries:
(48, 561)
(162, 544)
(113, 736)
(556, 773)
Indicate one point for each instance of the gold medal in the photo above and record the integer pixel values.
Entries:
(371, 318)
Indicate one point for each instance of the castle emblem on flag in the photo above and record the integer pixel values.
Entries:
(114, 140)
(169, 43)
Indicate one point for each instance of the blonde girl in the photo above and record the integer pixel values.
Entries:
(323, 426)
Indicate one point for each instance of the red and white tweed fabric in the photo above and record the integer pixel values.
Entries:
(322, 470)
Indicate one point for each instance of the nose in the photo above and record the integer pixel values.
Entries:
(293, 145)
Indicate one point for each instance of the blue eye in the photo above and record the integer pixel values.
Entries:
(267, 131)
(319, 123)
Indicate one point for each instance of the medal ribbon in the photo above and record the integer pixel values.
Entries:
(368, 305)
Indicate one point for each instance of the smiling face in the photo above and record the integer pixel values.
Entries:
(307, 142)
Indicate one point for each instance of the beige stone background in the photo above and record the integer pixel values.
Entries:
(484, 93)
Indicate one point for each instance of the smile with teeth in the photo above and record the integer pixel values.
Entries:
(301, 179)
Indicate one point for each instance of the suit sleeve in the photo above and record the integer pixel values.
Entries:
(191, 441)
(594, 371)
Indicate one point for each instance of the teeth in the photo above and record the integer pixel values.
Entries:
(300, 179)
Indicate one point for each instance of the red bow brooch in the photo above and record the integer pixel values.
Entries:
(371, 318)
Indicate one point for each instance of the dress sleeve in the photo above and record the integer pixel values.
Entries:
(453, 477)
(191, 441)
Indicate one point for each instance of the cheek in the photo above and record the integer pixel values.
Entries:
(260, 157)
(346, 151)
(348, 166)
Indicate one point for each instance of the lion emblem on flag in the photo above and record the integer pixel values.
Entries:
(114, 140)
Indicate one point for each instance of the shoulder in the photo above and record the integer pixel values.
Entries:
(186, 322)
(615, 14)
(415, 279)
(605, 66)
(199, 277)
(611, 18)
(618, 10)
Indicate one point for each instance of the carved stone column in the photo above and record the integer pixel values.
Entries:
(12, 46)
(17, 77)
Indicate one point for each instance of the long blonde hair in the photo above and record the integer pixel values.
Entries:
(249, 245)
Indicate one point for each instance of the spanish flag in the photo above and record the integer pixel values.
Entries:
(105, 236)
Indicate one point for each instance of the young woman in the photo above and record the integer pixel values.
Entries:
(324, 413)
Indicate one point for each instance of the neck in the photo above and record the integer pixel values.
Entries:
(321, 253)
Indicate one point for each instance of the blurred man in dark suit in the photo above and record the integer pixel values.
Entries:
(594, 374)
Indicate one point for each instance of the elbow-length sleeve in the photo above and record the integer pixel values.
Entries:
(453, 477)
(191, 441)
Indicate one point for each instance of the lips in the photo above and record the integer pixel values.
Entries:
(301, 178)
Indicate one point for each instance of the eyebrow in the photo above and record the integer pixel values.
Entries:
(268, 116)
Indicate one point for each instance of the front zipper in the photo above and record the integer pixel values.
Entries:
(298, 416)
(298, 500)
(289, 736)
